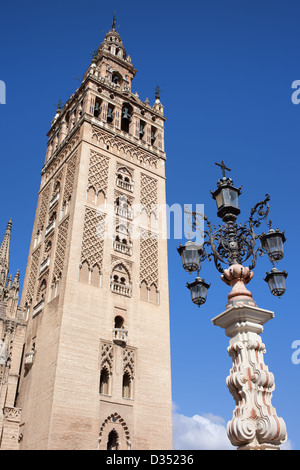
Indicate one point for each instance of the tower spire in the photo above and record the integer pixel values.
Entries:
(113, 26)
(4, 249)
(4, 256)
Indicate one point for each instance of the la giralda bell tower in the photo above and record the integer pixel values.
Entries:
(96, 368)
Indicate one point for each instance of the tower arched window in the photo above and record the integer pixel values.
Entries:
(123, 208)
(67, 121)
(116, 78)
(142, 129)
(84, 273)
(37, 239)
(113, 440)
(124, 179)
(120, 281)
(119, 331)
(110, 113)
(122, 241)
(119, 321)
(95, 276)
(153, 135)
(41, 290)
(126, 117)
(56, 187)
(127, 385)
(91, 195)
(48, 247)
(54, 287)
(51, 225)
(104, 381)
(98, 107)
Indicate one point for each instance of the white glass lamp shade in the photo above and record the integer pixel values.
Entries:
(276, 281)
(273, 242)
(198, 290)
(190, 256)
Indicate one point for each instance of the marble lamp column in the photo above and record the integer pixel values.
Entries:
(255, 424)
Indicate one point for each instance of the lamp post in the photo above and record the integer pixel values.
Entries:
(255, 424)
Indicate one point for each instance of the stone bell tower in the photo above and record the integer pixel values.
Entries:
(96, 285)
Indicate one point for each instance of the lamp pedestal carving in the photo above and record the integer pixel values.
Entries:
(255, 424)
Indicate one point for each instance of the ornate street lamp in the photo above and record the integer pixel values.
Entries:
(198, 290)
(226, 197)
(276, 281)
(190, 256)
(272, 242)
(255, 424)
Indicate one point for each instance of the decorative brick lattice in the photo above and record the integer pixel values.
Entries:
(42, 286)
(98, 172)
(149, 258)
(148, 193)
(57, 181)
(107, 356)
(93, 236)
(61, 248)
(63, 151)
(43, 210)
(132, 150)
(35, 258)
(48, 244)
(129, 361)
(70, 176)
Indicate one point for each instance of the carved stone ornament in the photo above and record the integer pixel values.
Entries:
(12, 414)
(29, 358)
(255, 424)
(237, 276)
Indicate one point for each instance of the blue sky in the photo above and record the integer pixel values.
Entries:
(225, 69)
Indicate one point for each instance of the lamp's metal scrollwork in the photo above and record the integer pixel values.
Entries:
(233, 243)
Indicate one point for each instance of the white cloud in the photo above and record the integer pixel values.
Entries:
(287, 445)
(207, 432)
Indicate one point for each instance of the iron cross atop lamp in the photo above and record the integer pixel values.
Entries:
(233, 244)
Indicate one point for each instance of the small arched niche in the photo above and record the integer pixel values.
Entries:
(118, 322)
(113, 440)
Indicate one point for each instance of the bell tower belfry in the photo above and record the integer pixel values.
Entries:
(96, 286)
